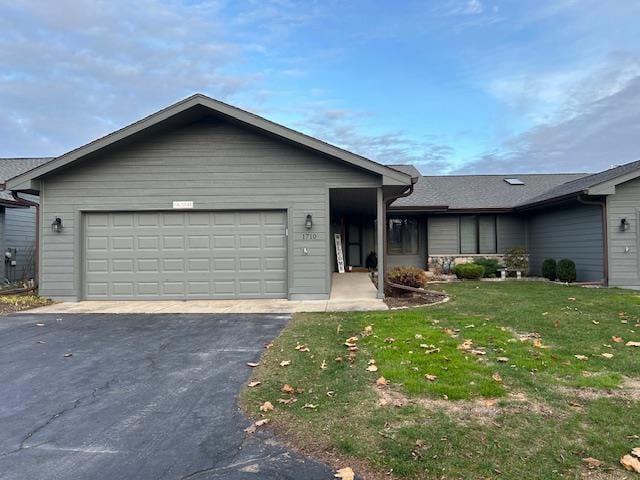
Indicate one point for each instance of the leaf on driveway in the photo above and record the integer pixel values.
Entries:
(266, 407)
(253, 384)
(68, 354)
(252, 428)
(252, 364)
(633, 344)
(39, 324)
(345, 474)
(617, 339)
(285, 363)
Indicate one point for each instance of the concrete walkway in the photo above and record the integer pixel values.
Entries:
(350, 292)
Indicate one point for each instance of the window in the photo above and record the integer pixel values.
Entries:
(514, 181)
(402, 236)
(478, 234)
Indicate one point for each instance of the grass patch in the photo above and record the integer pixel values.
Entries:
(511, 399)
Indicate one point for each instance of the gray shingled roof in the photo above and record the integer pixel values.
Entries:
(585, 182)
(480, 191)
(408, 169)
(11, 167)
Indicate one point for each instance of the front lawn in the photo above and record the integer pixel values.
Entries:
(508, 380)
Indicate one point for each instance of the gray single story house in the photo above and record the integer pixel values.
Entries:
(18, 214)
(203, 200)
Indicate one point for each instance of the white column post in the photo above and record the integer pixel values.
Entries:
(381, 224)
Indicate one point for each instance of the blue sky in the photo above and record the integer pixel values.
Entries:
(453, 86)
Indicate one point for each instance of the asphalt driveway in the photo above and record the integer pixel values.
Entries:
(141, 397)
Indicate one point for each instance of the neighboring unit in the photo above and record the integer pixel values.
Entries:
(203, 200)
(18, 213)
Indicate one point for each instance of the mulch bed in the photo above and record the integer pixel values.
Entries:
(410, 300)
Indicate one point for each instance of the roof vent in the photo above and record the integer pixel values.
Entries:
(514, 181)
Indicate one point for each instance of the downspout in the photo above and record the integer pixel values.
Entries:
(386, 205)
(605, 234)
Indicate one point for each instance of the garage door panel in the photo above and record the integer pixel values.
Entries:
(180, 255)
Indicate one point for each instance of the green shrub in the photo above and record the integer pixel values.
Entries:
(515, 258)
(408, 276)
(549, 268)
(566, 270)
(491, 266)
(469, 271)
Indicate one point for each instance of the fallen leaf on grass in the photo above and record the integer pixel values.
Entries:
(368, 330)
(302, 348)
(286, 388)
(636, 452)
(490, 402)
(592, 463)
(581, 357)
(269, 345)
(323, 365)
(253, 384)
(252, 364)
(502, 359)
(630, 463)
(337, 359)
(431, 378)
(382, 382)
(466, 345)
(573, 299)
(633, 344)
(538, 343)
(310, 406)
(497, 377)
(266, 407)
(372, 368)
(389, 340)
(350, 341)
(285, 363)
(252, 428)
(287, 401)
(595, 322)
(607, 355)
(345, 474)
(617, 339)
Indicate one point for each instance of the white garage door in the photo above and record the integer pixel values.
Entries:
(180, 255)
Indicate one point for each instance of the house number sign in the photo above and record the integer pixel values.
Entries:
(309, 236)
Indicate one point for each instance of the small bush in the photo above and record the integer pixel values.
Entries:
(491, 266)
(469, 271)
(408, 276)
(515, 258)
(566, 270)
(549, 268)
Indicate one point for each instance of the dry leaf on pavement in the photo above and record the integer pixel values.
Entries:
(252, 364)
(345, 474)
(252, 428)
(266, 407)
(67, 355)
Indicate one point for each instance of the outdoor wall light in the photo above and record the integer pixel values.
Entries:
(624, 225)
(56, 226)
(308, 223)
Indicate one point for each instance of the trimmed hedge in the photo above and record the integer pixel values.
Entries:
(491, 266)
(549, 269)
(408, 276)
(566, 270)
(469, 271)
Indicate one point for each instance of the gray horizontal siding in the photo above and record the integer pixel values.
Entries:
(442, 235)
(511, 232)
(574, 233)
(624, 247)
(217, 166)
